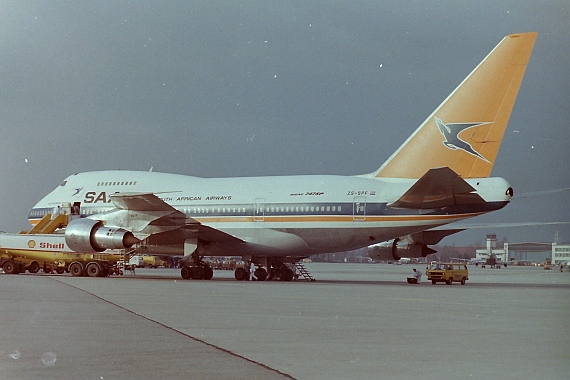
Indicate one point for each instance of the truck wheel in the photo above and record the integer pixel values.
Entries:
(449, 281)
(59, 270)
(10, 267)
(433, 282)
(76, 269)
(463, 281)
(93, 269)
(34, 267)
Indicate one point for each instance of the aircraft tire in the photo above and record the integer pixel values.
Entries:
(286, 274)
(76, 269)
(34, 267)
(241, 274)
(260, 274)
(10, 267)
(197, 273)
(208, 273)
(93, 269)
(186, 273)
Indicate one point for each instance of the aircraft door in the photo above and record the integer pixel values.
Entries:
(75, 211)
(359, 209)
(259, 210)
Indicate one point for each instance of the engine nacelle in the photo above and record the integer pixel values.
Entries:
(398, 248)
(89, 235)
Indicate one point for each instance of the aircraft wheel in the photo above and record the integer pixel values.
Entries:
(261, 274)
(208, 273)
(286, 274)
(34, 267)
(241, 274)
(10, 267)
(186, 273)
(197, 273)
(93, 269)
(76, 270)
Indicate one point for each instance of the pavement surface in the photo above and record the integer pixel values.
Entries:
(357, 321)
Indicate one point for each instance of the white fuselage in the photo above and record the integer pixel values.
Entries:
(291, 215)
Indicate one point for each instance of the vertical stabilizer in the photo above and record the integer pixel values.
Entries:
(464, 133)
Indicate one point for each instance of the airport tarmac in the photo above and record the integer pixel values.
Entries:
(357, 321)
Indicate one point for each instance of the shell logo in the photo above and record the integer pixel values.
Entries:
(31, 244)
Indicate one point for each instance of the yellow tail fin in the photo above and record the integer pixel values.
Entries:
(464, 133)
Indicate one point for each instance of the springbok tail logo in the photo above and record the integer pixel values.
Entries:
(451, 131)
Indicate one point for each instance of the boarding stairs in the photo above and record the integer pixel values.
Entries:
(124, 258)
(48, 224)
(303, 271)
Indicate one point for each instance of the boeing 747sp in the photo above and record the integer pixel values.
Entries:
(439, 175)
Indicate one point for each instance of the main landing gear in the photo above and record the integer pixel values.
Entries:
(200, 270)
(277, 270)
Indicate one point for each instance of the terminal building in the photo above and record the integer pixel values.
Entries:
(532, 252)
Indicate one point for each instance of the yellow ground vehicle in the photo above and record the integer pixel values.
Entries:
(20, 252)
(448, 273)
(146, 261)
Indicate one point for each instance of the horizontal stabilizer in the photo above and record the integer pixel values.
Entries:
(438, 188)
(432, 237)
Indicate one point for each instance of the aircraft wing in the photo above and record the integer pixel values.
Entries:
(155, 216)
(438, 188)
(140, 202)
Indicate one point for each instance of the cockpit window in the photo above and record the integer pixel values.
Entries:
(63, 183)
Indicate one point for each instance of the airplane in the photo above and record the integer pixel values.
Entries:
(439, 175)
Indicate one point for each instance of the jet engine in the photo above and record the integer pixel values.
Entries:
(398, 248)
(89, 235)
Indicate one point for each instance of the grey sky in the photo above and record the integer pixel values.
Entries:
(224, 88)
